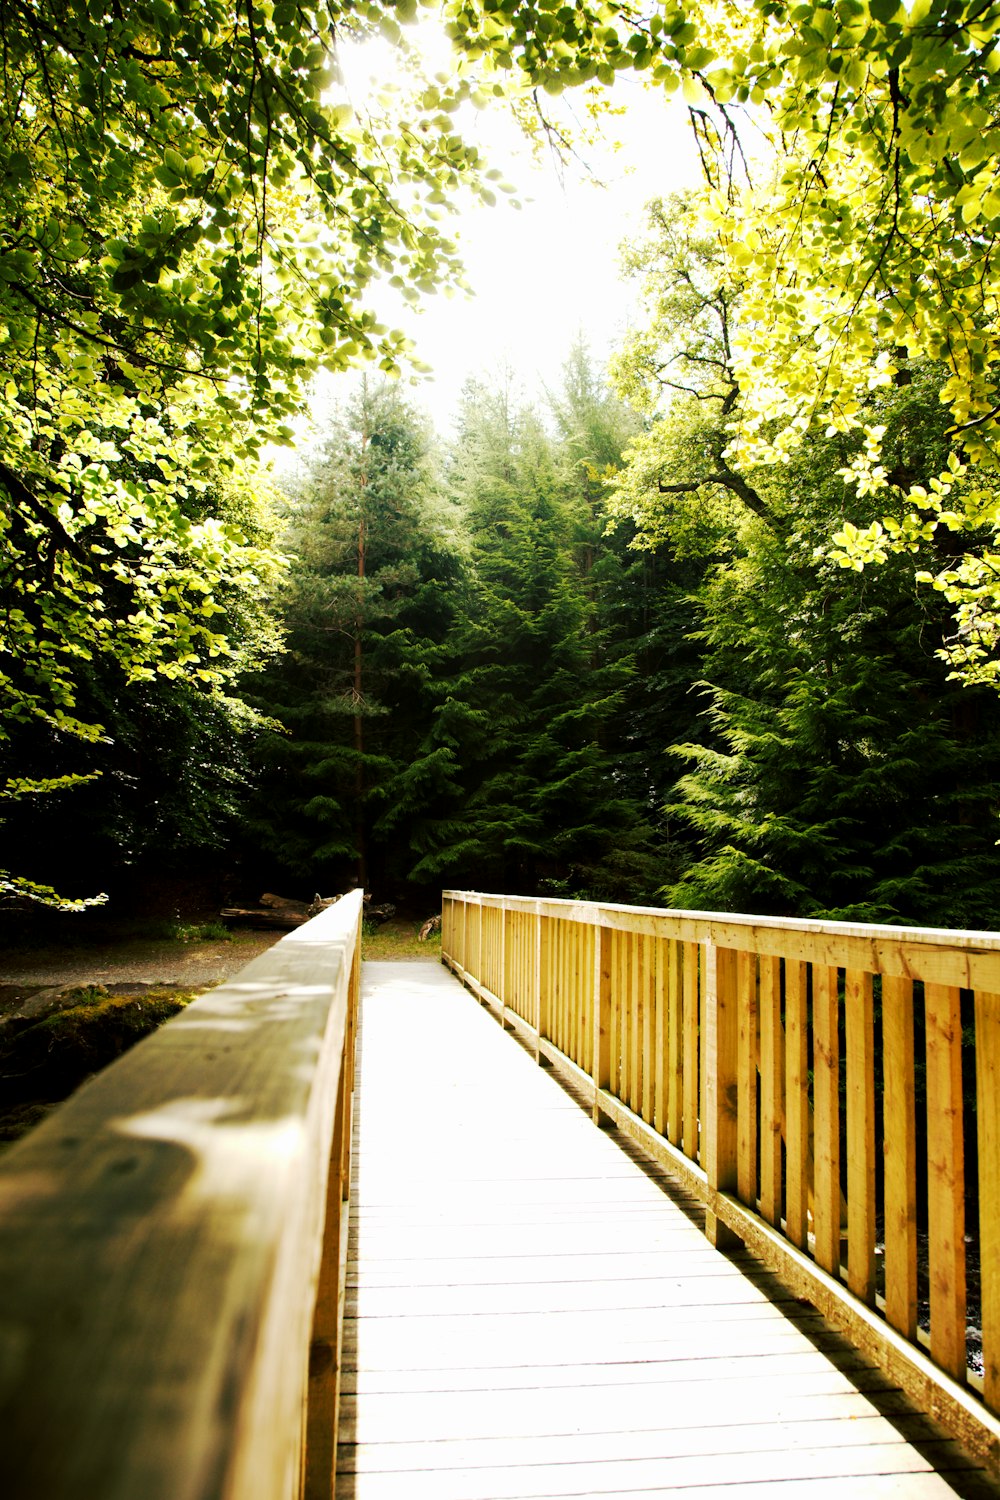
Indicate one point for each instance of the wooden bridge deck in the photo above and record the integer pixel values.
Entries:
(533, 1311)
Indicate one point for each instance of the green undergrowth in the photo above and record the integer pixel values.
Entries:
(44, 1058)
(398, 939)
(197, 932)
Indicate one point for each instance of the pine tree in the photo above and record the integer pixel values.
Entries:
(368, 603)
(539, 689)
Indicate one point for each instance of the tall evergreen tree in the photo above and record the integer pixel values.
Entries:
(367, 605)
(847, 774)
(538, 688)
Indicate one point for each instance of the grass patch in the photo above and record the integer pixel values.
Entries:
(197, 932)
(398, 939)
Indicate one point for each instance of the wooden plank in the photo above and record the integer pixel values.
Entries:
(522, 1414)
(661, 1061)
(543, 967)
(326, 1346)
(860, 1056)
(634, 1099)
(602, 980)
(675, 1041)
(780, 1365)
(945, 1177)
(161, 1237)
(872, 1487)
(746, 1089)
(555, 980)
(732, 1437)
(826, 1118)
(798, 1155)
(719, 1113)
(586, 1047)
(617, 945)
(966, 960)
(772, 1089)
(570, 934)
(657, 1475)
(900, 1155)
(988, 1126)
(691, 1050)
(647, 957)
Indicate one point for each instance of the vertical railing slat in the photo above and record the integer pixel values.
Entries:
(648, 1002)
(826, 1119)
(542, 978)
(746, 984)
(797, 1121)
(661, 1059)
(691, 1079)
(945, 1176)
(899, 1135)
(860, 1049)
(602, 1013)
(675, 1040)
(772, 1091)
(988, 1126)
(587, 1023)
(719, 1107)
(635, 1025)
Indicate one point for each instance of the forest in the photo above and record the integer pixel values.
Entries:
(712, 628)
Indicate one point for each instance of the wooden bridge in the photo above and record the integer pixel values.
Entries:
(520, 1304)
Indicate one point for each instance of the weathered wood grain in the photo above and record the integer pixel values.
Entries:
(798, 1148)
(945, 1176)
(860, 1049)
(988, 1127)
(161, 1242)
(772, 1089)
(826, 1117)
(900, 1154)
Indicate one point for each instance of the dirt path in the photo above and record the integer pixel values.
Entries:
(25, 973)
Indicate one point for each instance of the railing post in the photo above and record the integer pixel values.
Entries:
(462, 925)
(719, 1109)
(478, 975)
(322, 1404)
(946, 1176)
(988, 1124)
(544, 965)
(602, 1016)
(505, 959)
(826, 1118)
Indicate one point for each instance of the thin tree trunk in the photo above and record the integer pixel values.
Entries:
(359, 726)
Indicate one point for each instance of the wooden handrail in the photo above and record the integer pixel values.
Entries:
(773, 1063)
(172, 1248)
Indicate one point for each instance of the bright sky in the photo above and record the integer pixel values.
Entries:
(548, 271)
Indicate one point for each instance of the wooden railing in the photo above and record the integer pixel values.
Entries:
(173, 1244)
(831, 1092)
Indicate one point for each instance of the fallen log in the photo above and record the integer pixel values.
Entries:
(277, 915)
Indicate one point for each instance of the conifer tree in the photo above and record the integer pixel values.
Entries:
(534, 707)
(845, 774)
(368, 603)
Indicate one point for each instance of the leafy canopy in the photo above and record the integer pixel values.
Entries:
(850, 148)
(192, 218)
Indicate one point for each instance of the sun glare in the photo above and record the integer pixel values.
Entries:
(546, 271)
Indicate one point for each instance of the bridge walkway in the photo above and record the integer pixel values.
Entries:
(533, 1311)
